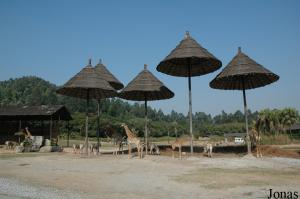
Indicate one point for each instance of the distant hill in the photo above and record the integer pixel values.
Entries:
(27, 90)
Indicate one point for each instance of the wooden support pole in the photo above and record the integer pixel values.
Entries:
(146, 126)
(246, 120)
(190, 106)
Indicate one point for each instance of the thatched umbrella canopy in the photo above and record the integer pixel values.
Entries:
(86, 85)
(243, 73)
(146, 87)
(105, 74)
(189, 59)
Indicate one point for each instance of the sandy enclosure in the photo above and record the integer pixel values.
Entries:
(65, 175)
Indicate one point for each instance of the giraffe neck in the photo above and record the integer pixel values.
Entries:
(129, 134)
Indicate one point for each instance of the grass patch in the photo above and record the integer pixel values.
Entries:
(281, 139)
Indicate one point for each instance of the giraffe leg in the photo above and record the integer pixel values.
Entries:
(260, 154)
(129, 150)
(173, 155)
(180, 153)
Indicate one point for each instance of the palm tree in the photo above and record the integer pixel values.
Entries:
(288, 117)
(263, 123)
(270, 121)
(275, 126)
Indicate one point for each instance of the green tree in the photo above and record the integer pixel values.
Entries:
(288, 117)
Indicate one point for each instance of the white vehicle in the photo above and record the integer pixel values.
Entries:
(239, 140)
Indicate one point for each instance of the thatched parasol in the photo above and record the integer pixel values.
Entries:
(189, 59)
(108, 76)
(87, 84)
(105, 74)
(243, 73)
(146, 87)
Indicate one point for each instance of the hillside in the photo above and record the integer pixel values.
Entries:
(36, 91)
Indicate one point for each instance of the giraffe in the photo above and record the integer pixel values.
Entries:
(27, 133)
(255, 140)
(117, 139)
(178, 143)
(208, 149)
(133, 139)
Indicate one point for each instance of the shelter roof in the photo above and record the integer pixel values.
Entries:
(43, 112)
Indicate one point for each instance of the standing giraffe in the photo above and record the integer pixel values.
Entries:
(133, 139)
(255, 140)
(117, 139)
(208, 148)
(27, 133)
(178, 143)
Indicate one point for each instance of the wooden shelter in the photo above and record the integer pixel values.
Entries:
(42, 120)
(294, 127)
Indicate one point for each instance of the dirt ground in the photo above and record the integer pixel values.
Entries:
(67, 175)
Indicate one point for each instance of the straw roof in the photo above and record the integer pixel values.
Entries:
(87, 81)
(189, 52)
(43, 112)
(145, 86)
(108, 76)
(243, 72)
(294, 127)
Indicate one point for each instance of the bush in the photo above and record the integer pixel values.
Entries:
(26, 143)
(275, 139)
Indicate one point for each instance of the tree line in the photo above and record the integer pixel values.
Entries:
(36, 91)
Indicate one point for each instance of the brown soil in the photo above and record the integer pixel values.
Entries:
(276, 151)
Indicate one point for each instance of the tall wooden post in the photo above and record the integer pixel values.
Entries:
(51, 127)
(98, 127)
(246, 120)
(42, 123)
(68, 132)
(146, 127)
(86, 123)
(190, 106)
(20, 125)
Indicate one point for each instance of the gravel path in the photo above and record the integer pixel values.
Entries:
(109, 177)
(11, 188)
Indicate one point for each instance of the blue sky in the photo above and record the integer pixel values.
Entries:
(54, 40)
